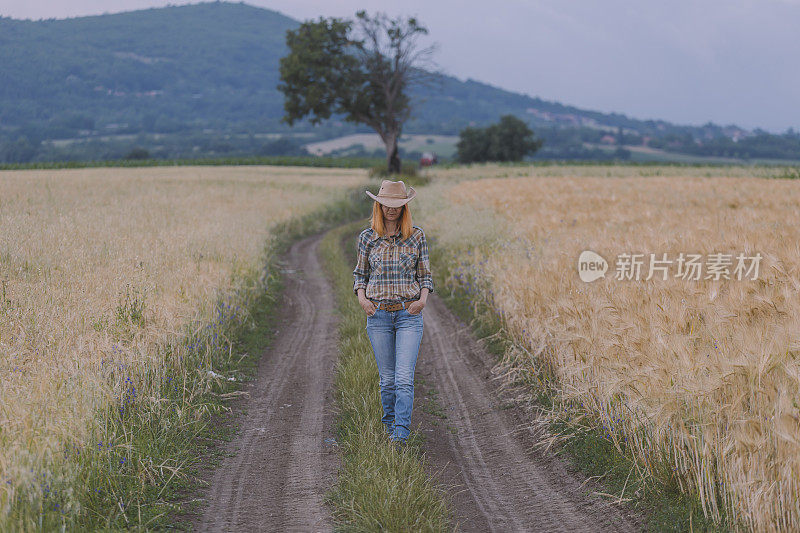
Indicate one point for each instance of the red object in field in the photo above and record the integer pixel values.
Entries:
(428, 159)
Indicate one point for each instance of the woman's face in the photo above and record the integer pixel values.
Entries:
(391, 213)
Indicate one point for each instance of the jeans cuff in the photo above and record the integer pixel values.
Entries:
(400, 433)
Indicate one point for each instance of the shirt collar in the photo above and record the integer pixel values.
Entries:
(375, 235)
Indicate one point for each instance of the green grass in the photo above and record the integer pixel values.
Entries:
(368, 163)
(139, 469)
(615, 163)
(290, 161)
(377, 164)
(586, 445)
(432, 406)
(378, 488)
(789, 173)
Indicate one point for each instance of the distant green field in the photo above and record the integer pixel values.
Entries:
(284, 161)
(372, 162)
(443, 146)
(651, 155)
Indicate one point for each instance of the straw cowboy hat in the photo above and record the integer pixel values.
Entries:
(393, 194)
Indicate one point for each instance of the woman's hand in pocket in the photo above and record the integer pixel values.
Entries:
(416, 307)
(367, 306)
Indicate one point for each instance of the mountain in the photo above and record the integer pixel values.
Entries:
(201, 79)
(209, 64)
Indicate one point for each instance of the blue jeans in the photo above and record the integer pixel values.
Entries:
(395, 338)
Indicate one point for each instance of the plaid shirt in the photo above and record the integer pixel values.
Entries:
(390, 267)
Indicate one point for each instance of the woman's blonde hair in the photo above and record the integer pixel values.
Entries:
(406, 226)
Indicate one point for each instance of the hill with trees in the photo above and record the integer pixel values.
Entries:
(201, 80)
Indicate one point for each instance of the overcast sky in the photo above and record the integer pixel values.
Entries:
(686, 61)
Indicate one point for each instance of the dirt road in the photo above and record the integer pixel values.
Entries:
(283, 460)
(281, 463)
(483, 449)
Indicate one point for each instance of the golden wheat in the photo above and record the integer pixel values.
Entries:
(100, 268)
(701, 376)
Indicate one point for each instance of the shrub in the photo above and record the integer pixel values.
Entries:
(508, 140)
(138, 153)
(407, 169)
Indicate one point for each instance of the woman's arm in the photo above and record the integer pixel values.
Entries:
(417, 306)
(361, 271)
(361, 276)
(423, 276)
(423, 296)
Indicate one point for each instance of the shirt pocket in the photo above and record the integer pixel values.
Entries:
(408, 256)
(376, 261)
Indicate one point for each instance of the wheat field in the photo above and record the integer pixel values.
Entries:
(699, 378)
(102, 274)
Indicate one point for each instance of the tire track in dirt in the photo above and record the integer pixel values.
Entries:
(279, 464)
(485, 453)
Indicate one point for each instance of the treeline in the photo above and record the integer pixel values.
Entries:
(284, 161)
(555, 143)
(571, 143)
(160, 146)
(189, 145)
(760, 146)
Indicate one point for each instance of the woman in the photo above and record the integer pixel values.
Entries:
(393, 280)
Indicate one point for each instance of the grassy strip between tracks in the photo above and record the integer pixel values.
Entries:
(378, 487)
(142, 474)
(659, 500)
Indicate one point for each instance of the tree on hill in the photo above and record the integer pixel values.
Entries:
(473, 145)
(360, 69)
(508, 140)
